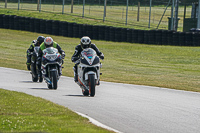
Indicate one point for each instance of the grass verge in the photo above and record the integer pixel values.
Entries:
(20, 112)
(154, 65)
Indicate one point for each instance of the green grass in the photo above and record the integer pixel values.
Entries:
(20, 112)
(115, 16)
(154, 65)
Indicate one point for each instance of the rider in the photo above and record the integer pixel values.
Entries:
(34, 43)
(84, 43)
(48, 42)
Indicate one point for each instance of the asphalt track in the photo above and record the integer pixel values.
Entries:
(126, 108)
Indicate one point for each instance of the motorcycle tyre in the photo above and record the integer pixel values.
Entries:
(92, 84)
(40, 78)
(34, 79)
(33, 68)
(54, 80)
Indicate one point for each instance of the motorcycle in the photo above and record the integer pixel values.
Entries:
(88, 71)
(51, 67)
(36, 74)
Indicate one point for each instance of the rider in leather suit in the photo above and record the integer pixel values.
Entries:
(48, 42)
(84, 43)
(34, 43)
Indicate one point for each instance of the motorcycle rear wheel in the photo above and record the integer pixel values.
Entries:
(34, 79)
(92, 84)
(40, 77)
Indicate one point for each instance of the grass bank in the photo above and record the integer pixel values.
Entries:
(114, 16)
(20, 112)
(154, 65)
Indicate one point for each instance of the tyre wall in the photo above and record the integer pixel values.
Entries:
(108, 33)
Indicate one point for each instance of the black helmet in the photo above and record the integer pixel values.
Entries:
(85, 42)
(40, 40)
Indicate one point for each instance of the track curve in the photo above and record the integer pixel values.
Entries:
(126, 108)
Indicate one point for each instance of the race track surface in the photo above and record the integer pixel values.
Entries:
(126, 108)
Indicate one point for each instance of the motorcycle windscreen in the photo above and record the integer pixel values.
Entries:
(89, 53)
(50, 50)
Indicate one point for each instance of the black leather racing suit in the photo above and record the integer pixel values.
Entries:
(77, 53)
(79, 49)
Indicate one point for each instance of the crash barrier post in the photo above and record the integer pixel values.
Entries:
(181, 38)
(102, 32)
(175, 40)
(141, 36)
(75, 30)
(70, 30)
(111, 31)
(158, 37)
(55, 27)
(135, 36)
(117, 34)
(129, 35)
(6, 21)
(64, 30)
(188, 39)
(164, 37)
(108, 33)
(42, 26)
(27, 24)
(169, 37)
(49, 26)
(95, 32)
(146, 36)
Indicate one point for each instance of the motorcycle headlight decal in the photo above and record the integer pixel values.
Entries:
(51, 57)
(59, 60)
(96, 61)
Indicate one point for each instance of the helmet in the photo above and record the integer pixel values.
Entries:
(85, 42)
(48, 42)
(40, 40)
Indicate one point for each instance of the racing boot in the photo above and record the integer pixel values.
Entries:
(75, 75)
(28, 66)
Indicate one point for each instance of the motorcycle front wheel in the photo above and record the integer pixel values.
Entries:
(54, 79)
(34, 73)
(92, 84)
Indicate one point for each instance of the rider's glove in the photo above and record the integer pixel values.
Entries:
(63, 55)
(101, 56)
(28, 52)
(75, 59)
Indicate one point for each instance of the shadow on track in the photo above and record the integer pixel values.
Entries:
(76, 95)
(41, 89)
(27, 82)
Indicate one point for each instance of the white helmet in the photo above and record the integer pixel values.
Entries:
(48, 41)
(85, 42)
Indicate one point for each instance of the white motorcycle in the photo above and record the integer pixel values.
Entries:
(88, 71)
(51, 67)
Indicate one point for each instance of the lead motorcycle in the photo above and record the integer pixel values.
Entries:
(36, 74)
(88, 71)
(51, 67)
